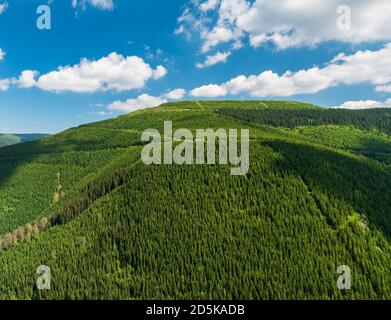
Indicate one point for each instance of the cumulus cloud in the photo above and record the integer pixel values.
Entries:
(286, 23)
(27, 79)
(160, 72)
(209, 5)
(210, 91)
(372, 67)
(3, 6)
(2, 54)
(141, 102)
(218, 35)
(114, 72)
(176, 94)
(146, 101)
(365, 104)
(385, 88)
(4, 84)
(219, 57)
(101, 4)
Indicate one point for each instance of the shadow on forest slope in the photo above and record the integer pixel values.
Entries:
(30, 172)
(362, 184)
(83, 139)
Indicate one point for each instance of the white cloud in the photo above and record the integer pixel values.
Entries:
(141, 102)
(385, 88)
(372, 67)
(365, 104)
(216, 36)
(187, 18)
(101, 4)
(145, 101)
(219, 57)
(286, 23)
(114, 72)
(209, 5)
(210, 91)
(27, 79)
(104, 113)
(3, 6)
(176, 94)
(4, 84)
(2, 54)
(160, 72)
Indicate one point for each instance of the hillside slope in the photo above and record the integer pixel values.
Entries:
(10, 139)
(109, 227)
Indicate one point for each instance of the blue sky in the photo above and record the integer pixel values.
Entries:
(172, 40)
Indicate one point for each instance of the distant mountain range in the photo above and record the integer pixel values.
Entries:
(7, 139)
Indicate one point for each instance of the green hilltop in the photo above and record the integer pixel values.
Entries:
(109, 227)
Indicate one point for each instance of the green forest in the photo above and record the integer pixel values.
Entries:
(316, 197)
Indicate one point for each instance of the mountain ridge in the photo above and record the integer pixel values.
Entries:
(120, 229)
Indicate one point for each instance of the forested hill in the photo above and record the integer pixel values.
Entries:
(7, 139)
(316, 197)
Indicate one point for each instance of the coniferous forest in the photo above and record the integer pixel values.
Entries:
(316, 196)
